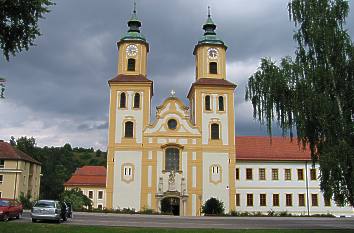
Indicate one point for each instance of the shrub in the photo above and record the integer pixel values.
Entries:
(213, 206)
(26, 200)
(76, 198)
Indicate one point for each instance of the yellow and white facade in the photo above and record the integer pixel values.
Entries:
(184, 156)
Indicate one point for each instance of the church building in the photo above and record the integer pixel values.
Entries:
(176, 161)
(184, 156)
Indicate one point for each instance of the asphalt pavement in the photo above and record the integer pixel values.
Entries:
(161, 221)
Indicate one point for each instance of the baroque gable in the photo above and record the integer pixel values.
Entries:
(172, 109)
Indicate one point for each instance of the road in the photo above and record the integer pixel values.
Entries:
(160, 221)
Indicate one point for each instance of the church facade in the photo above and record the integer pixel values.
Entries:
(187, 154)
(184, 156)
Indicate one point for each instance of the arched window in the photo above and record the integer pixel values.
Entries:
(172, 159)
(122, 102)
(128, 129)
(207, 103)
(213, 68)
(221, 103)
(137, 100)
(131, 64)
(215, 131)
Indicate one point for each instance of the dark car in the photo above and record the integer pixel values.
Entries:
(10, 208)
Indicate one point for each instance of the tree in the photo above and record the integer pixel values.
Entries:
(313, 92)
(19, 24)
(213, 206)
(2, 88)
(76, 198)
(98, 153)
(26, 145)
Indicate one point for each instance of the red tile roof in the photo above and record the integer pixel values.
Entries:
(11, 153)
(211, 82)
(88, 176)
(122, 78)
(261, 148)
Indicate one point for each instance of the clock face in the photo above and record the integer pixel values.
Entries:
(132, 50)
(213, 53)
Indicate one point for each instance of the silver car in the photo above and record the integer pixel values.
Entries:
(46, 210)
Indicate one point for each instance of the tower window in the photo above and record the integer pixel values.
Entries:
(131, 64)
(122, 102)
(172, 159)
(215, 131)
(128, 129)
(221, 103)
(137, 100)
(207, 103)
(213, 68)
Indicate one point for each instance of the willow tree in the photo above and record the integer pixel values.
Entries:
(312, 92)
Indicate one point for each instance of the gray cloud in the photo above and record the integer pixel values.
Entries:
(58, 91)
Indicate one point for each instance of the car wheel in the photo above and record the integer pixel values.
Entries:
(6, 218)
(58, 221)
(34, 220)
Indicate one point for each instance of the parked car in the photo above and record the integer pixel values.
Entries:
(10, 208)
(48, 210)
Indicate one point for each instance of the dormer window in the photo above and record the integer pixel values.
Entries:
(131, 64)
(137, 100)
(122, 101)
(207, 103)
(213, 68)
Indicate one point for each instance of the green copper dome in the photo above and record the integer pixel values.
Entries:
(134, 25)
(210, 36)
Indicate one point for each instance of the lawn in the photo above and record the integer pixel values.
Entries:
(13, 227)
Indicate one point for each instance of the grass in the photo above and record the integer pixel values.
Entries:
(15, 227)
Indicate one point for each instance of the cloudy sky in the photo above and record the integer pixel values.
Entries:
(57, 91)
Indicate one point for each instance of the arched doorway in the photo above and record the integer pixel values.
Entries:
(170, 205)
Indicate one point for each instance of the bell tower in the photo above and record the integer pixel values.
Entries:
(211, 99)
(210, 53)
(129, 114)
(133, 49)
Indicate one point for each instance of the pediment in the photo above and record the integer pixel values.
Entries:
(172, 108)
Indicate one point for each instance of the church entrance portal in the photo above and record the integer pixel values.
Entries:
(170, 205)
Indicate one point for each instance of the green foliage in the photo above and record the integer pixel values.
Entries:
(58, 163)
(76, 198)
(2, 88)
(26, 201)
(313, 92)
(213, 206)
(19, 24)
(98, 153)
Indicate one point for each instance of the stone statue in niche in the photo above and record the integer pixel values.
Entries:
(172, 181)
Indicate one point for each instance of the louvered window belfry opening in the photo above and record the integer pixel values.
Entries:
(131, 64)
(128, 129)
(213, 68)
(207, 103)
(215, 131)
(137, 100)
(122, 100)
(221, 103)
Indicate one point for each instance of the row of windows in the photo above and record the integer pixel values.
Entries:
(90, 194)
(207, 101)
(276, 200)
(129, 130)
(275, 174)
(2, 163)
(213, 66)
(123, 100)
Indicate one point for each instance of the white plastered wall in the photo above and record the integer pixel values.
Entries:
(219, 190)
(127, 194)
